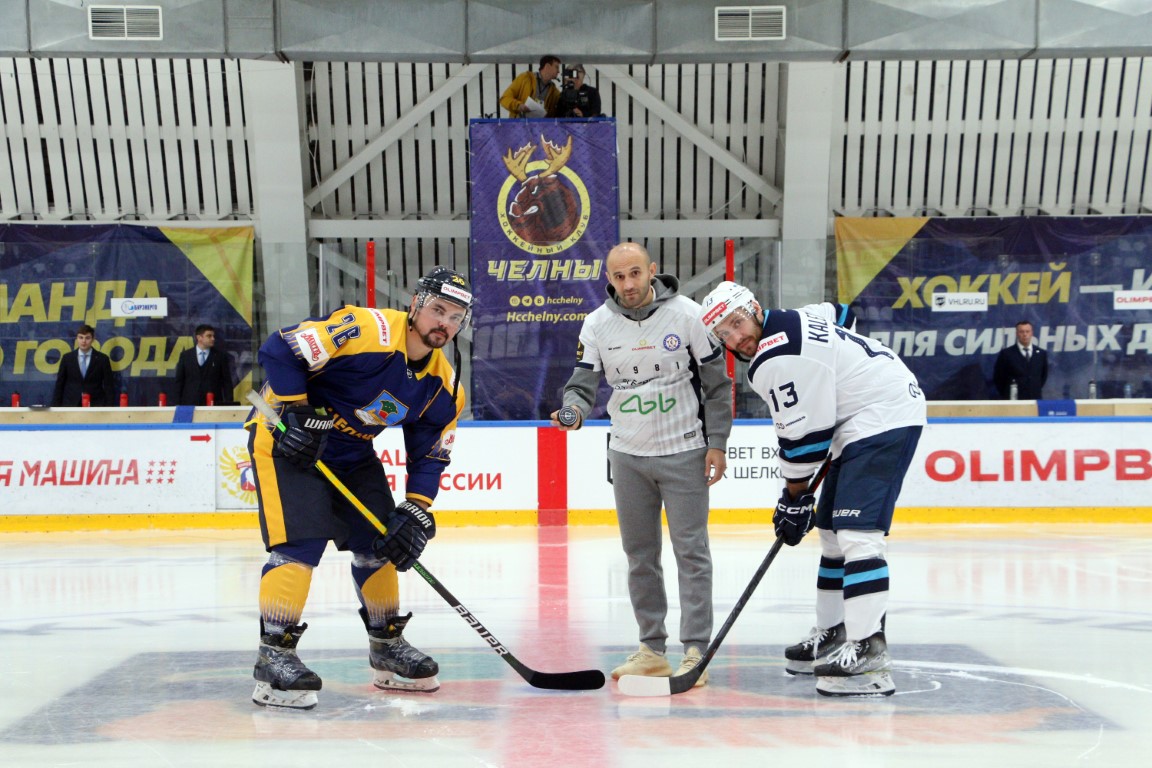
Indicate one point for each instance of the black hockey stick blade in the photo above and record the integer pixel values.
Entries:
(581, 680)
(639, 685)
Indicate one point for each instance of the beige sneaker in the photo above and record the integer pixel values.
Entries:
(645, 662)
(691, 658)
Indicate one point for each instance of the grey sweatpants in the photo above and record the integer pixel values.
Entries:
(641, 484)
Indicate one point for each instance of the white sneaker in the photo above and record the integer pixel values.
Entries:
(691, 659)
(645, 662)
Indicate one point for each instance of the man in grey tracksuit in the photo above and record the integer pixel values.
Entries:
(671, 412)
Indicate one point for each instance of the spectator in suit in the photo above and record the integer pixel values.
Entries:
(203, 369)
(1022, 362)
(537, 85)
(84, 371)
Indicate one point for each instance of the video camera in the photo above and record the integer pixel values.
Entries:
(570, 74)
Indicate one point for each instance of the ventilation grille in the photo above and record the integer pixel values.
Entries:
(750, 22)
(124, 22)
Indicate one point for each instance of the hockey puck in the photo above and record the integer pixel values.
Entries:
(568, 416)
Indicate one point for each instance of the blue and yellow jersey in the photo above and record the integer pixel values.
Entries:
(355, 364)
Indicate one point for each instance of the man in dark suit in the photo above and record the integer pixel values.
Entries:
(84, 371)
(203, 370)
(1023, 363)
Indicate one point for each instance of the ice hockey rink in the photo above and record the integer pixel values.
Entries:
(1019, 645)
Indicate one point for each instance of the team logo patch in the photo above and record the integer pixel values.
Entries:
(672, 342)
(385, 411)
(443, 447)
(772, 341)
(309, 347)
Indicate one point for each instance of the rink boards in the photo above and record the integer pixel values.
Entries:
(169, 475)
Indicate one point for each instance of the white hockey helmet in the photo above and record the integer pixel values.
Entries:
(722, 301)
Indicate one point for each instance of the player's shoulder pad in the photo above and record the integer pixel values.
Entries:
(368, 329)
(845, 316)
(440, 367)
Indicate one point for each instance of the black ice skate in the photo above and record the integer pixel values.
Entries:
(857, 668)
(392, 656)
(282, 679)
(818, 644)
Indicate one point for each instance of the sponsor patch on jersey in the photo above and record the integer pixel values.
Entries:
(384, 411)
(772, 341)
(672, 342)
(642, 345)
(383, 330)
(579, 351)
(690, 435)
(310, 348)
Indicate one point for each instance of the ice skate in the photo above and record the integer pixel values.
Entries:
(645, 662)
(857, 668)
(818, 644)
(691, 660)
(399, 666)
(282, 680)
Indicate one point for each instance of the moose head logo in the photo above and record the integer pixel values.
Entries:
(545, 209)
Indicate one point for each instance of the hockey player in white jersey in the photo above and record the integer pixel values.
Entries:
(671, 411)
(832, 393)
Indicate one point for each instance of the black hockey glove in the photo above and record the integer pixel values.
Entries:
(305, 435)
(793, 517)
(409, 528)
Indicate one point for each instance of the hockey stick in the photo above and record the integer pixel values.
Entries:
(639, 685)
(582, 680)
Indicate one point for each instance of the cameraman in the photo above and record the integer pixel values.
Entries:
(577, 99)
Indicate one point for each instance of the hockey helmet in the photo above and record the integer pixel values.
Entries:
(447, 284)
(721, 302)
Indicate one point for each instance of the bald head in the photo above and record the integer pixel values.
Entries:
(630, 271)
(628, 249)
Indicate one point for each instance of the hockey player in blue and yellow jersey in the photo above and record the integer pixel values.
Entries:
(833, 393)
(338, 382)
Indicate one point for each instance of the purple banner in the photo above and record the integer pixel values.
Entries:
(544, 215)
(946, 295)
(54, 278)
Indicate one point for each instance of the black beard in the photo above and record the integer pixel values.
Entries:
(433, 343)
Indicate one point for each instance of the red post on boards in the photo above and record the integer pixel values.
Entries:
(163, 400)
(123, 399)
(210, 399)
(85, 400)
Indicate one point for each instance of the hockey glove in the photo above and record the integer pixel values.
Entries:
(409, 528)
(305, 435)
(793, 517)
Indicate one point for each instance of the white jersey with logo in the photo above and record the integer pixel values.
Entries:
(828, 386)
(655, 408)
